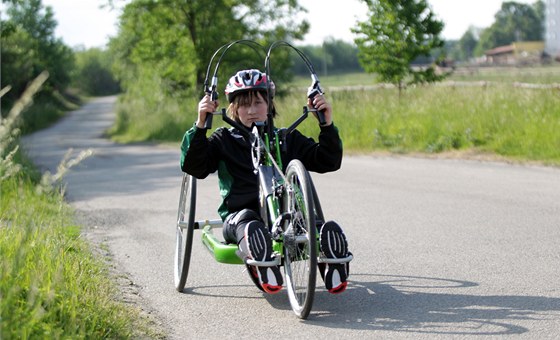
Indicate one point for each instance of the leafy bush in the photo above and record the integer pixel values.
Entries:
(93, 75)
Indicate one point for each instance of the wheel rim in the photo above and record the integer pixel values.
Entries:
(179, 253)
(300, 243)
(184, 231)
(297, 250)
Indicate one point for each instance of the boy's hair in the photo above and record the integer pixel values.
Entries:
(246, 98)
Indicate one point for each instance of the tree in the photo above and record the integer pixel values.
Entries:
(513, 22)
(172, 40)
(333, 56)
(19, 58)
(344, 56)
(540, 11)
(466, 45)
(93, 72)
(396, 33)
(29, 47)
(316, 56)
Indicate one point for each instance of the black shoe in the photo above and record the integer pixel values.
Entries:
(259, 245)
(334, 246)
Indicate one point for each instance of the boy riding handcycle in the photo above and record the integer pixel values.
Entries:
(236, 153)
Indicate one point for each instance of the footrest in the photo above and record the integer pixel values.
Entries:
(276, 260)
(223, 253)
(346, 259)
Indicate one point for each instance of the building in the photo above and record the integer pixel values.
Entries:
(522, 52)
(552, 27)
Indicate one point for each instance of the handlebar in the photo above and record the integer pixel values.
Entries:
(245, 131)
(312, 92)
(208, 122)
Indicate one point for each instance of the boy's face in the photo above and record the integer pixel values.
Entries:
(252, 110)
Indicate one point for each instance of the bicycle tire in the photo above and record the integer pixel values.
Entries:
(184, 230)
(319, 216)
(319, 221)
(300, 257)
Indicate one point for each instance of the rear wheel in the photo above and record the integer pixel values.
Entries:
(184, 230)
(300, 240)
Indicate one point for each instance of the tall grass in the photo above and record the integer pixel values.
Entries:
(513, 122)
(51, 285)
(489, 117)
(146, 114)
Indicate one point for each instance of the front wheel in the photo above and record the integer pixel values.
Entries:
(300, 240)
(184, 230)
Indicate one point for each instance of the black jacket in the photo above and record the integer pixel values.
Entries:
(228, 152)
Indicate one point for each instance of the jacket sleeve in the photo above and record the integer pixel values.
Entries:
(199, 157)
(321, 157)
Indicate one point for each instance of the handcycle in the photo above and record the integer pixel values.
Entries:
(289, 204)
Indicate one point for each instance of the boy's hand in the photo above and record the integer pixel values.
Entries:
(205, 106)
(319, 103)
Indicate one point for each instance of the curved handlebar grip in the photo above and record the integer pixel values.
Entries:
(208, 120)
(213, 97)
(321, 117)
(312, 92)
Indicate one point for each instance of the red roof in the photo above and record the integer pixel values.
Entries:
(501, 50)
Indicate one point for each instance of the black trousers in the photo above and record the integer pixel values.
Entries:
(234, 228)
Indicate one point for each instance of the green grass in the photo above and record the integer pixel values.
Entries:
(149, 118)
(494, 118)
(52, 286)
(516, 123)
(337, 80)
(547, 74)
(499, 118)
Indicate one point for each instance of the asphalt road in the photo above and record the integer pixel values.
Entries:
(443, 248)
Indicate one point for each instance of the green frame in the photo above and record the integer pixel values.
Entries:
(227, 253)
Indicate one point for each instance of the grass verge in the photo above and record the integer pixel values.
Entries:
(52, 285)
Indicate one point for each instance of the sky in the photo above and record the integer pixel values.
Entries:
(85, 23)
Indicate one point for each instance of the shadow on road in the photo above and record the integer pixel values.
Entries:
(408, 304)
(401, 303)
